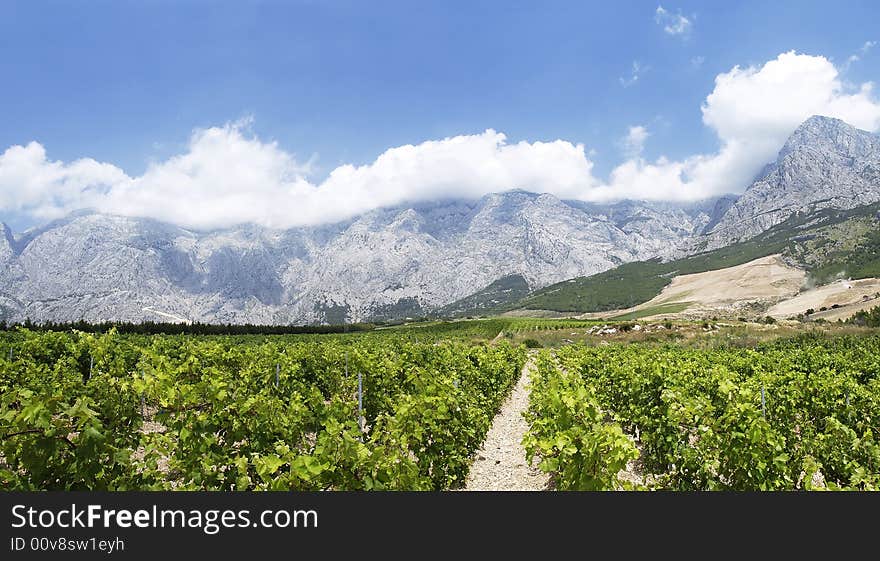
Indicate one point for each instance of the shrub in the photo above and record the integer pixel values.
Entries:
(870, 318)
(532, 344)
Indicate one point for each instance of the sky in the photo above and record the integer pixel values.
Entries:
(211, 114)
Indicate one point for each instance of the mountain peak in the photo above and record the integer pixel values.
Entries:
(826, 162)
(6, 241)
(824, 121)
(824, 126)
(8, 236)
(827, 134)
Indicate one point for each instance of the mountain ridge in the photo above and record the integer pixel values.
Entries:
(824, 163)
(436, 257)
(403, 260)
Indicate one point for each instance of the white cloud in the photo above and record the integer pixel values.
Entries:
(673, 24)
(697, 61)
(853, 58)
(634, 141)
(31, 184)
(752, 111)
(227, 175)
(635, 73)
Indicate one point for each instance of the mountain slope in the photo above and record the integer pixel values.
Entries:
(827, 244)
(825, 163)
(386, 264)
(490, 299)
(7, 302)
(745, 289)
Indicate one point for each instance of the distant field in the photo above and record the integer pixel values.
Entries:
(672, 308)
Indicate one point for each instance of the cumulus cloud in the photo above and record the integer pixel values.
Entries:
(673, 24)
(634, 141)
(32, 184)
(227, 175)
(752, 110)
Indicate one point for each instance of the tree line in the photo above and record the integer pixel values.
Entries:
(194, 328)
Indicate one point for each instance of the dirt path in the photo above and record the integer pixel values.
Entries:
(848, 295)
(500, 465)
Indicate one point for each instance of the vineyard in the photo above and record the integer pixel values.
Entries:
(799, 413)
(83, 411)
(406, 408)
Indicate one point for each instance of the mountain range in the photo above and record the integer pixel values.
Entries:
(447, 257)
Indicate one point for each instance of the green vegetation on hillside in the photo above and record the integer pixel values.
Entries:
(825, 243)
(403, 308)
(869, 318)
(853, 253)
(491, 299)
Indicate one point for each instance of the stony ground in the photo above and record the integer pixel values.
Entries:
(500, 465)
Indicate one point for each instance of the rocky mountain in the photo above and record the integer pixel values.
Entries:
(6, 241)
(443, 257)
(393, 262)
(825, 163)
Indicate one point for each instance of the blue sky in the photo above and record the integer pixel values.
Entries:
(340, 82)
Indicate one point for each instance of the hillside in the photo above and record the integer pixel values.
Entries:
(816, 205)
(826, 244)
(489, 300)
(730, 292)
(837, 300)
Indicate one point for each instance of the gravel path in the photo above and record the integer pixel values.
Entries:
(500, 465)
